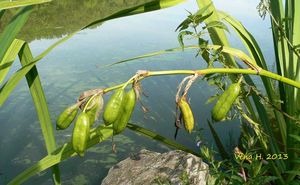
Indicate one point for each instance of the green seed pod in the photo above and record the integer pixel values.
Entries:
(113, 107)
(187, 115)
(81, 134)
(94, 111)
(225, 102)
(127, 108)
(65, 118)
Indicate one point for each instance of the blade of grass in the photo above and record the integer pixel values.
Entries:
(157, 137)
(218, 142)
(12, 29)
(15, 4)
(226, 50)
(9, 58)
(64, 152)
(41, 106)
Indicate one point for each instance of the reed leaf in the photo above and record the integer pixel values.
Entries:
(41, 106)
(62, 153)
(12, 29)
(9, 57)
(226, 50)
(22, 3)
(157, 137)
(218, 141)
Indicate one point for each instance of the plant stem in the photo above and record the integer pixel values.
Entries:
(228, 70)
(262, 72)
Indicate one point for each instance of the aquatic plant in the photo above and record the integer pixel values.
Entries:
(277, 134)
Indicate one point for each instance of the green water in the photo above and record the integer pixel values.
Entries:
(77, 65)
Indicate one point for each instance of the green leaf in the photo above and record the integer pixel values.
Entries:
(64, 152)
(257, 169)
(217, 139)
(204, 9)
(226, 50)
(296, 137)
(202, 43)
(216, 24)
(180, 37)
(12, 29)
(41, 106)
(157, 137)
(184, 24)
(9, 58)
(199, 18)
(15, 4)
(161, 52)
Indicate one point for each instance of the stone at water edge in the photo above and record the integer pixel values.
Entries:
(147, 167)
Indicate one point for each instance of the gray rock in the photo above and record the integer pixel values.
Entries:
(147, 167)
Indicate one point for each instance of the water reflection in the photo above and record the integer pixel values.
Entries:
(61, 17)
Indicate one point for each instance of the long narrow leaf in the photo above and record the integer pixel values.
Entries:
(295, 137)
(15, 4)
(227, 50)
(157, 137)
(9, 58)
(12, 29)
(41, 106)
(38, 97)
(64, 152)
(218, 142)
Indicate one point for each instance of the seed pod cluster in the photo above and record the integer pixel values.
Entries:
(225, 102)
(113, 107)
(91, 105)
(65, 118)
(86, 119)
(81, 133)
(125, 113)
(187, 114)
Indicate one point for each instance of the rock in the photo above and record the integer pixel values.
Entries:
(147, 167)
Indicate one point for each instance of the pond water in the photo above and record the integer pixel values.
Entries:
(77, 65)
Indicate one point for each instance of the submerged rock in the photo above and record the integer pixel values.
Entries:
(147, 167)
